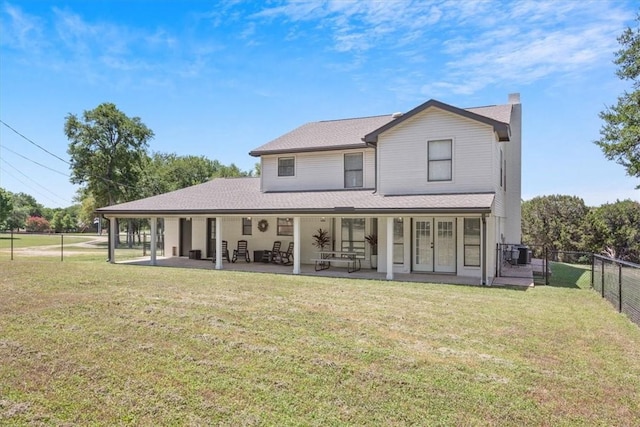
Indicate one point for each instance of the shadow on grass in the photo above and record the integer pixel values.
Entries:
(575, 276)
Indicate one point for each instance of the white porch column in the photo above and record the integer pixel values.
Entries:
(390, 248)
(113, 235)
(154, 243)
(296, 245)
(218, 243)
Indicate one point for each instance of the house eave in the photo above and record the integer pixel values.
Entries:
(336, 211)
(259, 153)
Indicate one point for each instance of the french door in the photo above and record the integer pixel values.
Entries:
(434, 245)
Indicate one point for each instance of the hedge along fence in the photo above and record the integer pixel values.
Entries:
(618, 282)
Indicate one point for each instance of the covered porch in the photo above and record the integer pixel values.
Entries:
(522, 283)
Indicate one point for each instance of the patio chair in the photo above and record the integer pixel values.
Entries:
(270, 256)
(241, 251)
(225, 252)
(285, 258)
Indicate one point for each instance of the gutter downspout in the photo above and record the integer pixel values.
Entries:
(483, 245)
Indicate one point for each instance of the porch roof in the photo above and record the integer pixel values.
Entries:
(238, 196)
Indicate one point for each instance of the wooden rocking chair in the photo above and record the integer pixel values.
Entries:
(270, 256)
(241, 251)
(286, 258)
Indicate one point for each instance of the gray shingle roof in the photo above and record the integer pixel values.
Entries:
(243, 196)
(324, 135)
(348, 133)
(501, 113)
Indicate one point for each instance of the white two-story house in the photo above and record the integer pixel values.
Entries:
(439, 186)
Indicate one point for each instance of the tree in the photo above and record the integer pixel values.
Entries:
(24, 206)
(554, 221)
(107, 151)
(6, 207)
(620, 135)
(56, 222)
(37, 224)
(614, 229)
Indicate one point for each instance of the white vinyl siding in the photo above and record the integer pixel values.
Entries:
(323, 170)
(403, 157)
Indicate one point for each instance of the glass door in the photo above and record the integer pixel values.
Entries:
(444, 246)
(422, 244)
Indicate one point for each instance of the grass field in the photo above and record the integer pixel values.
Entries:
(100, 344)
(46, 246)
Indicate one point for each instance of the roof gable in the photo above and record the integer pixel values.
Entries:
(501, 128)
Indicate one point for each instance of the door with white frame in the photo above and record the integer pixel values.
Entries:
(434, 245)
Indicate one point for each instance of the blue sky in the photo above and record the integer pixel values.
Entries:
(220, 78)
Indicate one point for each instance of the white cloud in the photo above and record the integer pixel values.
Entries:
(480, 42)
(19, 30)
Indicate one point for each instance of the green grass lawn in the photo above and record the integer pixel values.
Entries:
(570, 275)
(100, 344)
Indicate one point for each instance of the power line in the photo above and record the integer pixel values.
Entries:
(33, 161)
(37, 145)
(35, 182)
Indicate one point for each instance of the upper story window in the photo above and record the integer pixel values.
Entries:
(353, 170)
(440, 160)
(286, 166)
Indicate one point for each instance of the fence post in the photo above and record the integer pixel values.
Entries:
(12, 244)
(619, 288)
(61, 247)
(546, 266)
(602, 275)
(593, 268)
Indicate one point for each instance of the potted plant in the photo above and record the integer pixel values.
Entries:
(372, 239)
(321, 239)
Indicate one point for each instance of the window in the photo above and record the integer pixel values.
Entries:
(285, 226)
(440, 160)
(398, 241)
(246, 226)
(352, 236)
(353, 170)
(472, 242)
(286, 166)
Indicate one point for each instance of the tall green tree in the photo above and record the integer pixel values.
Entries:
(107, 150)
(613, 229)
(620, 134)
(554, 221)
(6, 207)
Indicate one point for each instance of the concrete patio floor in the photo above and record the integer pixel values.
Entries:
(522, 279)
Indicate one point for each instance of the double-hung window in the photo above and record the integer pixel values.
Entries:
(440, 160)
(353, 170)
(246, 226)
(285, 227)
(472, 242)
(286, 166)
